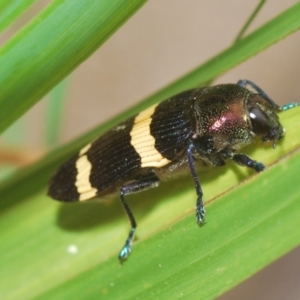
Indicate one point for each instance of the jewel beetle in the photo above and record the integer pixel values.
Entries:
(206, 125)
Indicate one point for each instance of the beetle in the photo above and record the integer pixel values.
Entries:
(205, 125)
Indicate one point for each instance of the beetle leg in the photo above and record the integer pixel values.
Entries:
(129, 189)
(246, 161)
(200, 211)
(242, 160)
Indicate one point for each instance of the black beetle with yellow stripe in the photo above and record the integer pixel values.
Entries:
(206, 125)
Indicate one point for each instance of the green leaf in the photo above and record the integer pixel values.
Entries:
(51, 46)
(247, 228)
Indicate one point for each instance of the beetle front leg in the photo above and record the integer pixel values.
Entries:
(200, 211)
(246, 161)
(242, 160)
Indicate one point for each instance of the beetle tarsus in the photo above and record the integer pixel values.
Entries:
(126, 250)
(200, 211)
(259, 167)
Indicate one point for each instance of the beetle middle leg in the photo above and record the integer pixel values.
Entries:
(126, 190)
(200, 211)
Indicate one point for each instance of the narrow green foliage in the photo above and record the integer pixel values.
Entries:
(10, 10)
(39, 57)
(250, 20)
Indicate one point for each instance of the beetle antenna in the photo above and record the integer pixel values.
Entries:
(289, 106)
(246, 82)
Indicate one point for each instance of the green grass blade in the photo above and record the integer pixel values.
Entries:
(277, 28)
(10, 10)
(246, 229)
(61, 37)
(250, 20)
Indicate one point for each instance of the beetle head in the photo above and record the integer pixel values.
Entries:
(264, 119)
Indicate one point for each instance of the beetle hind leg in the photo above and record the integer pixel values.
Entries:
(126, 190)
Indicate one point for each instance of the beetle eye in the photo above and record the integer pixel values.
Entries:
(259, 121)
